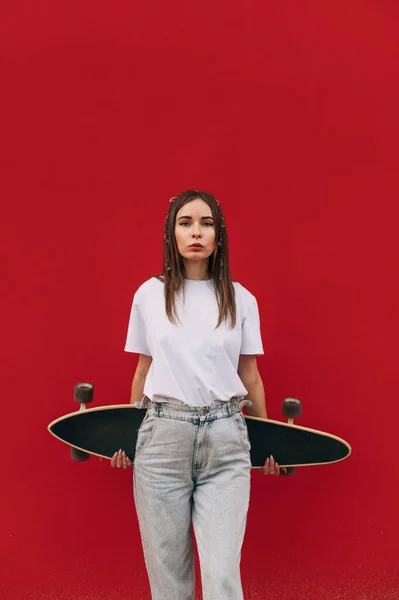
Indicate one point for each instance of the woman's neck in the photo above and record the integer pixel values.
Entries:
(196, 270)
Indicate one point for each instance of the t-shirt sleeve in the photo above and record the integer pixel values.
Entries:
(251, 339)
(136, 340)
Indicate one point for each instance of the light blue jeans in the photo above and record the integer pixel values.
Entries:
(192, 466)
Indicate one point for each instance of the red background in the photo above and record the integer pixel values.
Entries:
(288, 113)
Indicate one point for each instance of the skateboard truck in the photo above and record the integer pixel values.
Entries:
(83, 393)
(291, 409)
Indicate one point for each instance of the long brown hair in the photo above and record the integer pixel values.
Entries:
(218, 263)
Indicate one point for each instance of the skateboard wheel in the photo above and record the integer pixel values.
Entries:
(83, 393)
(292, 408)
(79, 455)
(289, 473)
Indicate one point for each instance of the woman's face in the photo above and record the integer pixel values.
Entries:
(195, 230)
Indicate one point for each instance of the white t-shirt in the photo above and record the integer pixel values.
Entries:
(192, 361)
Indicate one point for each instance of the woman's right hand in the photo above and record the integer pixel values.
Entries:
(121, 461)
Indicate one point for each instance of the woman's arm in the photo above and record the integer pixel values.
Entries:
(120, 459)
(249, 375)
(252, 381)
(139, 378)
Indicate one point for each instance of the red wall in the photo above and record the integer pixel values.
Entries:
(288, 112)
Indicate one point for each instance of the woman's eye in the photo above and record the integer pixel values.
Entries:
(207, 223)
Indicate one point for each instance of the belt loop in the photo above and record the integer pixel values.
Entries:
(158, 409)
(232, 406)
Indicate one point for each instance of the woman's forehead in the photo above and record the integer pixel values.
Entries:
(194, 207)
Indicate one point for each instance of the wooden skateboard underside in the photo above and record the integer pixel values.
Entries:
(102, 431)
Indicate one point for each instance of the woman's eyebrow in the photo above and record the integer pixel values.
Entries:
(188, 217)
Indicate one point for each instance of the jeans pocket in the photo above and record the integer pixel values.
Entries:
(242, 431)
(145, 433)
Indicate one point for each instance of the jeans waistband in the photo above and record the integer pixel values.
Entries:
(184, 412)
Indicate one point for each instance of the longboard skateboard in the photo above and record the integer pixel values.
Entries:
(104, 430)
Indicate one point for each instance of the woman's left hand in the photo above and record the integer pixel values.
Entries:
(271, 468)
(121, 460)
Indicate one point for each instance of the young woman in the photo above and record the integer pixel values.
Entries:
(198, 335)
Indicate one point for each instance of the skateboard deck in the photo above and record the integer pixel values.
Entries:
(104, 430)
